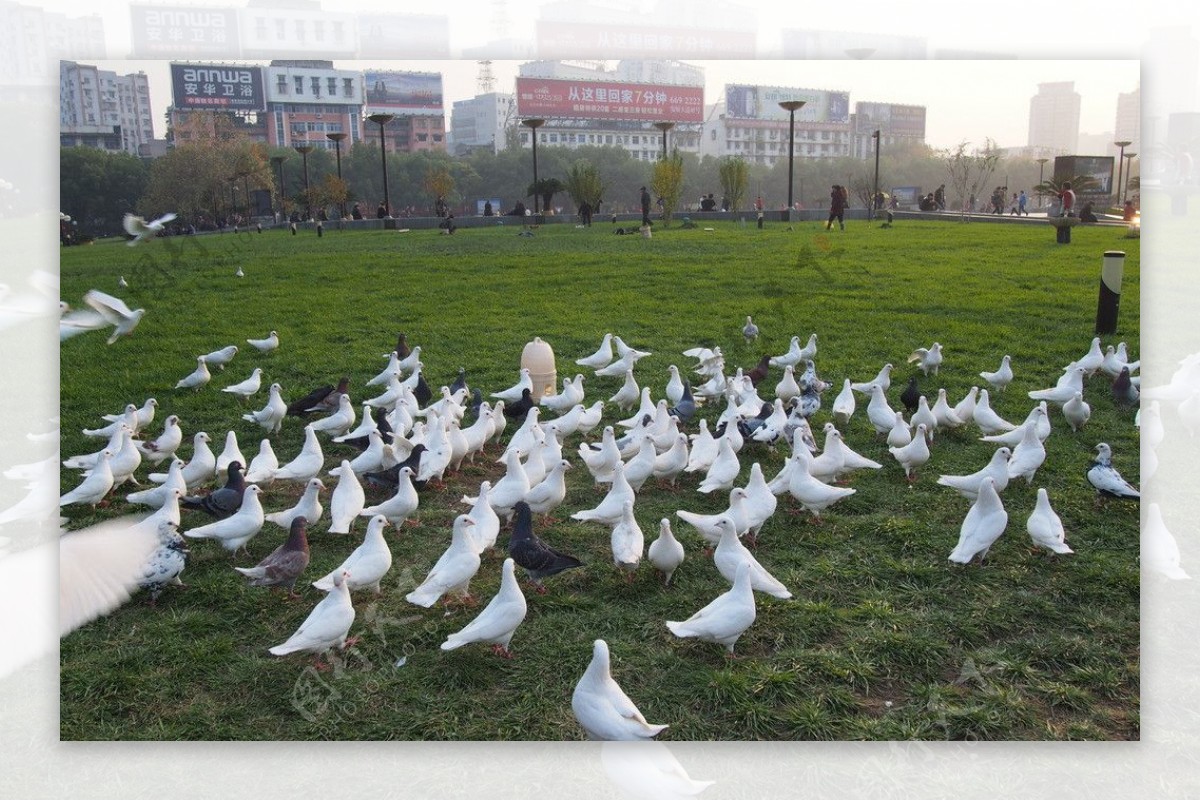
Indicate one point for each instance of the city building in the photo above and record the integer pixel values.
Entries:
(33, 39)
(98, 108)
(1054, 118)
(898, 125)
(751, 124)
(211, 97)
(1128, 125)
(308, 99)
(481, 122)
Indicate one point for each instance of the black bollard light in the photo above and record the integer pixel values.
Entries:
(1109, 302)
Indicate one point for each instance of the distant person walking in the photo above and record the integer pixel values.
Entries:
(1066, 199)
(939, 197)
(837, 207)
(1022, 202)
(645, 207)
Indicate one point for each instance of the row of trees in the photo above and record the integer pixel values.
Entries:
(211, 177)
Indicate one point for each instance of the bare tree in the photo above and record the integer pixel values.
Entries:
(970, 171)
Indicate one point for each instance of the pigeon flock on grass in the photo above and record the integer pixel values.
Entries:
(388, 453)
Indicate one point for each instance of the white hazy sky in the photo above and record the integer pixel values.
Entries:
(965, 100)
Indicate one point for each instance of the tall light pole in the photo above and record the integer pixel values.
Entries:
(304, 150)
(533, 124)
(1124, 143)
(791, 106)
(337, 144)
(382, 120)
(664, 127)
(875, 194)
(233, 179)
(1128, 172)
(245, 175)
(278, 162)
(1041, 168)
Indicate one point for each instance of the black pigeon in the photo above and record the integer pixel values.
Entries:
(1123, 389)
(759, 373)
(422, 392)
(460, 382)
(686, 407)
(517, 410)
(911, 396)
(313, 400)
(402, 349)
(283, 565)
(390, 479)
(476, 401)
(223, 502)
(747, 426)
(527, 549)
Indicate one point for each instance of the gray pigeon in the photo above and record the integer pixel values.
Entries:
(283, 565)
(223, 502)
(528, 550)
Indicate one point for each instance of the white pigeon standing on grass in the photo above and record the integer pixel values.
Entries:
(229, 454)
(403, 503)
(1045, 527)
(270, 416)
(244, 389)
(548, 494)
(945, 416)
(201, 467)
(157, 496)
(603, 709)
(143, 418)
(749, 330)
(928, 359)
(965, 409)
(1077, 412)
(843, 405)
(197, 378)
(724, 469)
(1092, 360)
(1106, 479)
(730, 555)
(1038, 419)
(988, 421)
(900, 434)
(347, 501)
(307, 463)
(309, 507)
(94, 486)
(666, 553)
(499, 620)
(914, 454)
(367, 564)
(1003, 375)
(487, 522)
(879, 412)
(983, 525)
(514, 393)
(165, 444)
(235, 531)
(968, 485)
(601, 357)
(609, 510)
(627, 541)
(883, 380)
(263, 466)
(266, 345)
(221, 357)
(340, 421)
(628, 394)
(813, 495)
(1028, 456)
(326, 626)
(725, 618)
(140, 230)
(454, 569)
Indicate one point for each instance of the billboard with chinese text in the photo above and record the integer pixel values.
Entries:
(181, 31)
(890, 119)
(743, 101)
(609, 100)
(404, 93)
(217, 87)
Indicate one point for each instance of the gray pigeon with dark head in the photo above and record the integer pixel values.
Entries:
(528, 550)
(283, 565)
(223, 502)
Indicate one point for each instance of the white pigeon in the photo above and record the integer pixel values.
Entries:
(98, 569)
(1077, 411)
(263, 466)
(454, 569)
(641, 466)
(646, 407)
(411, 362)
(627, 541)
(851, 459)
(244, 389)
(843, 405)
(165, 444)
(772, 427)
(372, 457)
(624, 351)
(674, 391)
(724, 469)
(673, 461)
(1106, 479)
(571, 395)
(601, 357)
(1028, 456)
(201, 467)
(928, 359)
(943, 415)
(1045, 527)
(309, 507)
(229, 454)
(220, 358)
(760, 502)
(900, 434)
(1003, 375)
(665, 553)
(883, 380)
(114, 312)
(703, 449)
(725, 618)
(788, 388)
(367, 564)
(128, 418)
(140, 230)
(601, 461)
(730, 555)
(487, 522)
(499, 620)
(240, 273)
(94, 486)
(965, 409)
(166, 563)
(340, 421)
(813, 494)
(610, 508)
(514, 393)
(628, 394)
(327, 624)
(347, 500)
(968, 485)
(1092, 360)
(157, 496)
(1160, 551)
(307, 463)
(983, 525)
(512, 487)
(1114, 360)
(988, 421)
(125, 460)
(750, 330)
(546, 496)
(271, 416)
(924, 416)
(393, 368)
(84, 461)
(197, 378)
(143, 417)
(266, 345)
(1069, 384)
(603, 709)
(403, 503)
(914, 454)
(879, 412)
(235, 531)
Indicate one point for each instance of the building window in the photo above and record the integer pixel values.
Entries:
(280, 29)
(348, 87)
(422, 137)
(281, 85)
(260, 27)
(316, 86)
(299, 84)
(331, 84)
(300, 30)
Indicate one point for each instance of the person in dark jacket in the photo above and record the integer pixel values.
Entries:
(645, 207)
(837, 207)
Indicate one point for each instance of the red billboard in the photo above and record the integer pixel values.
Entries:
(609, 100)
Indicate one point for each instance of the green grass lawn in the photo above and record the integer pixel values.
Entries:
(884, 639)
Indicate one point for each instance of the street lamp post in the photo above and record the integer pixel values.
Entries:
(664, 127)
(1124, 143)
(791, 106)
(533, 125)
(1041, 169)
(382, 120)
(278, 162)
(232, 196)
(875, 194)
(337, 144)
(304, 150)
(1128, 171)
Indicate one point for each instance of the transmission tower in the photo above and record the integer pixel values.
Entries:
(485, 82)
